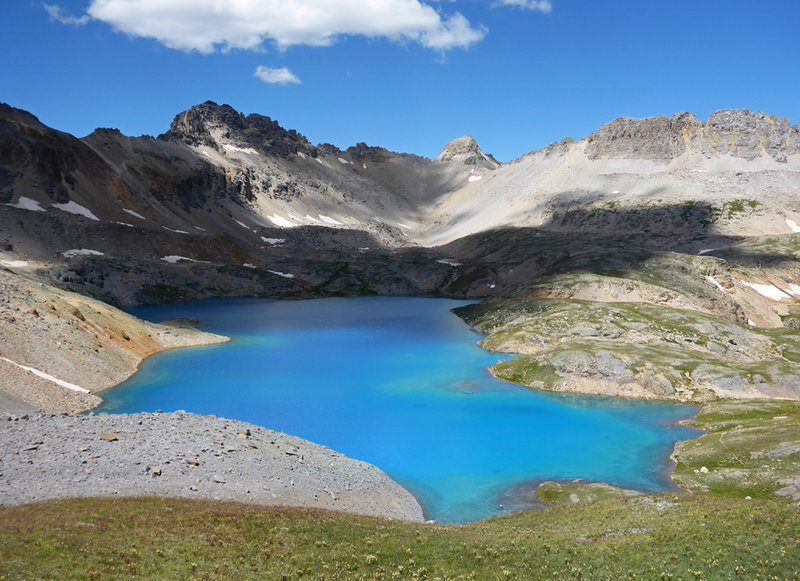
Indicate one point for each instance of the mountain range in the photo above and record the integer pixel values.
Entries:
(654, 258)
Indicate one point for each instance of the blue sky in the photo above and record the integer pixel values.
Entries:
(408, 75)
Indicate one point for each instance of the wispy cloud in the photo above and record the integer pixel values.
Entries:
(58, 14)
(456, 31)
(210, 25)
(281, 76)
(540, 5)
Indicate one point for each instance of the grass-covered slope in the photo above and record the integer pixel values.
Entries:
(751, 448)
(649, 537)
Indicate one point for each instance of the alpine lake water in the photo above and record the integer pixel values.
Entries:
(400, 383)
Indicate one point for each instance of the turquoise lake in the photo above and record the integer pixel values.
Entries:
(400, 383)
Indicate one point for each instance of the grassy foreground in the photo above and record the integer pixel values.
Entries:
(668, 536)
(731, 526)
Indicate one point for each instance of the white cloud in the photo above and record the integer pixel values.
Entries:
(282, 76)
(455, 32)
(210, 25)
(58, 14)
(541, 5)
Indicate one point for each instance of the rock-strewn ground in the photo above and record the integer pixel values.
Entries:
(186, 455)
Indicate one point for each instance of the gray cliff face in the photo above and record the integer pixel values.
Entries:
(735, 132)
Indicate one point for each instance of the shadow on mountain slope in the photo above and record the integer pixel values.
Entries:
(629, 252)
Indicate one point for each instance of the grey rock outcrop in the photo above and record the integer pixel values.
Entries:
(466, 150)
(734, 132)
(209, 123)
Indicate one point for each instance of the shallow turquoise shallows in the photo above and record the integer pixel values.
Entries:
(400, 383)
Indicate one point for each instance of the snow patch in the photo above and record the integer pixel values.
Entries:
(248, 265)
(173, 258)
(474, 178)
(751, 323)
(301, 155)
(27, 204)
(364, 165)
(281, 221)
(201, 229)
(48, 377)
(312, 219)
(344, 161)
(713, 281)
(125, 224)
(706, 251)
(242, 224)
(273, 241)
(176, 231)
(794, 289)
(74, 208)
(768, 290)
(206, 153)
(615, 192)
(81, 252)
(247, 150)
(283, 274)
(793, 225)
(329, 220)
(132, 213)
(449, 262)
(404, 226)
(14, 263)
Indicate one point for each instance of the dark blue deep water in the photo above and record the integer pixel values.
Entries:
(400, 383)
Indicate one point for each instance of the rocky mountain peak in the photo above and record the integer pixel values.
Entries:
(363, 153)
(196, 126)
(11, 115)
(735, 132)
(466, 150)
(217, 125)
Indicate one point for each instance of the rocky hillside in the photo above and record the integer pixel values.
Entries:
(60, 348)
(689, 226)
(734, 133)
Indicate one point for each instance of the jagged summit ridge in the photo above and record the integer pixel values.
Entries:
(733, 132)
(215, 125)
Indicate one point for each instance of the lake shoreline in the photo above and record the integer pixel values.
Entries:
(667, 470)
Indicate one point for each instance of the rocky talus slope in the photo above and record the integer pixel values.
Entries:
(186, 455)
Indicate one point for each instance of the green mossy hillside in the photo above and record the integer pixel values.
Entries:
(635, 349)
(667, 536)
(751, 448)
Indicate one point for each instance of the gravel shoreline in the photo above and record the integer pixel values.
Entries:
(186, 455)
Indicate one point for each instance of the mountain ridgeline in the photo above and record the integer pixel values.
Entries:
(602, 260)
